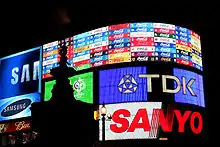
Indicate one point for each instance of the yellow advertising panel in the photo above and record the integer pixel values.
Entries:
(119, 55)
(119, 60)
(53, 52)
(81, 49)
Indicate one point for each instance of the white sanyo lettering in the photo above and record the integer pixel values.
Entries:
(98, 63)
(165, 54)
(184, 57)
(118, 45)
(118, 41)
(119, 50)
(183, 38)
(164, 30)
(165, 49)
(165, 44)
(98, 54)
(141, 39)
(141, 29)
(183, 34)
(97, 58)
(183, 43)
(118, 31)
(183, 29)
(118, 36)
(142, 59)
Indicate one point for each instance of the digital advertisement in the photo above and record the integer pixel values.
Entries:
(82, 86)
(122, 85)
(21, 73)
(146, 120)
(20, 83)
(130, 42)
(15, 126)
(192, 91)
(18, 106)
(133, 84)
(131, 121)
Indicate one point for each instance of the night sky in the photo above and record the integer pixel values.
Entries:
(28, 26)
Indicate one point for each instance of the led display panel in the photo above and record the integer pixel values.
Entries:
(82, 86)
(192, 91)
(126, 123)
(130, 42)
(51, 56)
(122, 85)
(48, 90)
(20, 83)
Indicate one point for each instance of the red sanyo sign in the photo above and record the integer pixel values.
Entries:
(140, 120)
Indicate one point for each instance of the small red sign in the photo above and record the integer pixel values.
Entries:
(15, 126)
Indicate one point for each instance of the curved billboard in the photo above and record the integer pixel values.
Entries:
(130, 42)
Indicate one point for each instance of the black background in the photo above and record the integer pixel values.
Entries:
(26, 25)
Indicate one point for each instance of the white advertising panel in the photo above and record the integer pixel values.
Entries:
(127, 121)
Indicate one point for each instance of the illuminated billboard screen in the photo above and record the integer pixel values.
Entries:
(82, 86)
(193, 93)
(130, 121)
(20, 83)
(122, 85)
(130, 42)
(51, 56)
(147, 120)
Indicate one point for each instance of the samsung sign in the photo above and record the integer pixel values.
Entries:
(20, 84)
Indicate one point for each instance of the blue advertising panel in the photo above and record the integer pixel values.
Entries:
(18, 106)
(193, 91)
(122, 85)
(20, 82)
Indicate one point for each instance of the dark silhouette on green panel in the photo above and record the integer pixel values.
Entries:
(64, 120)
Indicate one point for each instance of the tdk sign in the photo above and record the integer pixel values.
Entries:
(133, 84)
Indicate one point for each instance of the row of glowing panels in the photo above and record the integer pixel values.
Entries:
(126, 43)
(122, 85)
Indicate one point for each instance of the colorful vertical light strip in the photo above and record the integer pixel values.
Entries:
(50, 58)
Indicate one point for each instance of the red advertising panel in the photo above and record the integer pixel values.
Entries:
(15, 126)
